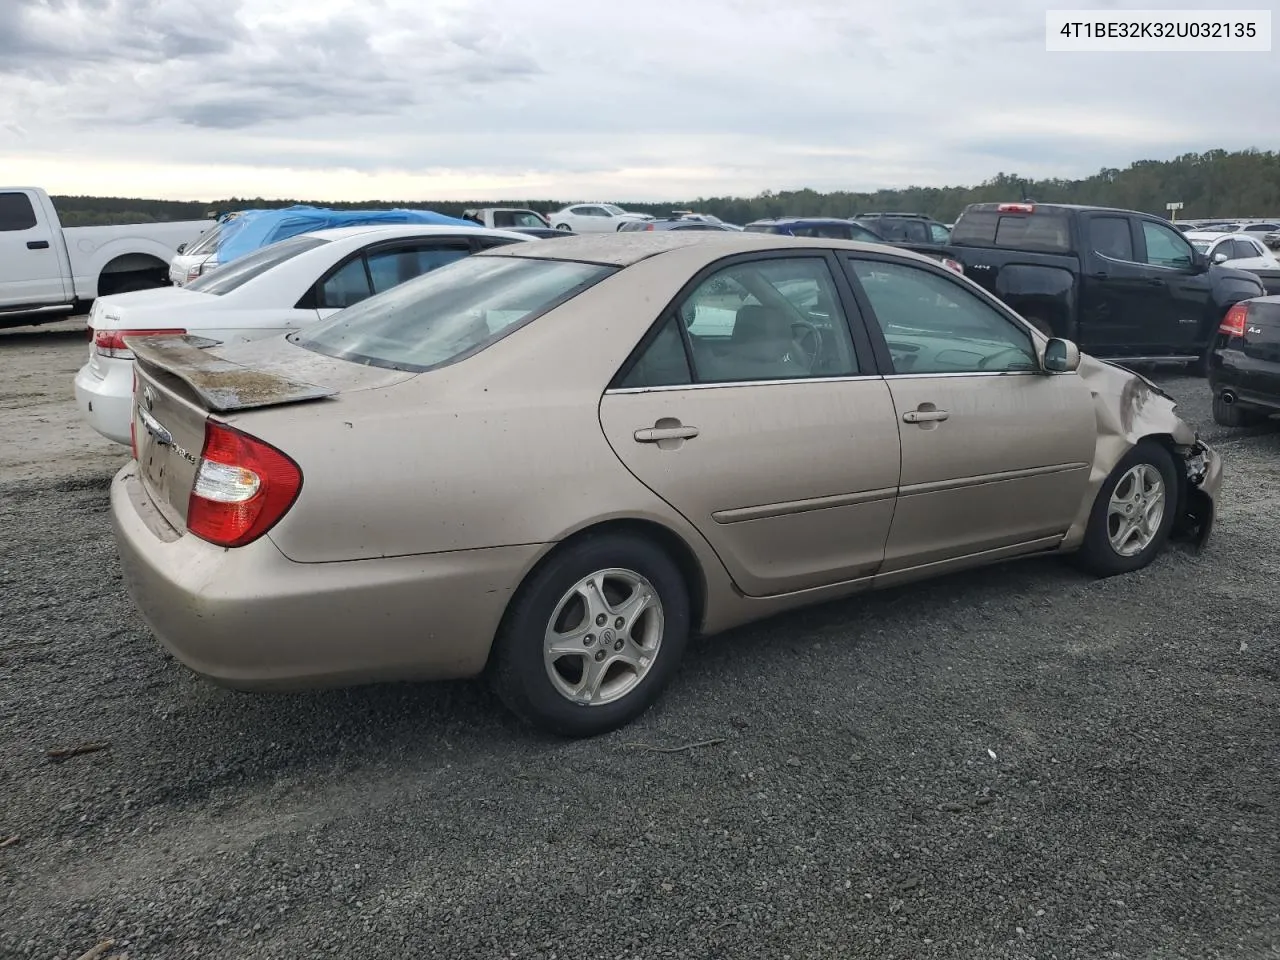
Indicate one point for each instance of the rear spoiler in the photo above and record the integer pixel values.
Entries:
(219, 384)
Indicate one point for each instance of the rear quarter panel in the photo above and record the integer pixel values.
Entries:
(503, 448)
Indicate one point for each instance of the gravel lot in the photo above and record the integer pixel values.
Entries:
(1019, 762)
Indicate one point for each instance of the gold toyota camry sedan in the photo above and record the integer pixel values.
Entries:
(553, 462)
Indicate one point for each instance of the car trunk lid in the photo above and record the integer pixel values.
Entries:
(181, 382)
(1261, 339)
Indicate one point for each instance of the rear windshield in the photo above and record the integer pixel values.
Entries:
(238, 272)
(451, 313)
(1028, 231)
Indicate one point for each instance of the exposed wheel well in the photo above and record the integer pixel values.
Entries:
(132, 271)
(671, 542)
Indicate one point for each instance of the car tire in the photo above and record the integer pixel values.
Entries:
(1099, 554)
(1200, 366)
(562, 226)
(1233, 414)
(540, 688)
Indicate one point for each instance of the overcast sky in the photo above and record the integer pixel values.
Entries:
(589, 99)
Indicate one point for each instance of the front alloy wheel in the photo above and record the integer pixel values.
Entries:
(1133, 513)
(603, 637)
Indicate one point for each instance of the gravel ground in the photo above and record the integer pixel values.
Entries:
(1019, 762)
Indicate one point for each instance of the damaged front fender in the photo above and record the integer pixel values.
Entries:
(1129, 409)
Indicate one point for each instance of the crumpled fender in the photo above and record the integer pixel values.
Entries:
(1128, 407)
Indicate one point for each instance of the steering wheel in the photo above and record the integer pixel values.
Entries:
(988, 362)
(809, 339)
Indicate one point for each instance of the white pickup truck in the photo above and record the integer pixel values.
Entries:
(47, 271)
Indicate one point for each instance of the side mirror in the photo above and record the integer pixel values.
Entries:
(182, 247)
(1060, 356)
(1199, 262)
(1220, 258)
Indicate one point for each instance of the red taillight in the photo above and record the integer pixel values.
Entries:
(1017, 208)
(955, 266)
(1233, 323)
(110, 343)
(243, 487)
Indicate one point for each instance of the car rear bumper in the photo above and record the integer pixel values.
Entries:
(106, 402)
(252, 619)
(1252, 381)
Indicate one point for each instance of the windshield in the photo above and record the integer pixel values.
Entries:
(208, 242)
(615, 211)
(239, 272)
(450, 313)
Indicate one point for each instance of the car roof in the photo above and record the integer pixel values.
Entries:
(800, 220)
(1208, 234)
(395, 231)
(625, 248)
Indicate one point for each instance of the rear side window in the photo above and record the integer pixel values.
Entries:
(16, 212)
(1045, 231)
(760, 228)
(831, 231)
(1110, 237)
(450, 313)
(238, 272)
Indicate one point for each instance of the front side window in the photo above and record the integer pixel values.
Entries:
(450, 313)
(16, 212)
(939, 233)
(1165, 247)
(776, 319)
(243, 269)
(934, 325)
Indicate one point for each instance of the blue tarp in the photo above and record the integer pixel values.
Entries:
(252, 229)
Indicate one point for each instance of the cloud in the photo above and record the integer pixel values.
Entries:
(636, 98)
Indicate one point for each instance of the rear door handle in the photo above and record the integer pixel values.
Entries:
(1154, 282)
(657, 434)
(1099, 275)
(37, 244)
(924, 416)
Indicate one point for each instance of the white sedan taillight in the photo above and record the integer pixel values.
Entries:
(110, 343)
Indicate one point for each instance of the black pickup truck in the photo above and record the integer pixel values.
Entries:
(1122, 285)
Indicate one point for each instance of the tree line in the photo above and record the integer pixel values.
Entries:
(1218, 183)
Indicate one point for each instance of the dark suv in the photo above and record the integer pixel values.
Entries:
(905, 227)
(832, 228)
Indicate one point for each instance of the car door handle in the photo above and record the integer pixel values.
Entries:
(1155, 282)
(658, 434)
(37, 244)
(1099, 275)
(925, 416)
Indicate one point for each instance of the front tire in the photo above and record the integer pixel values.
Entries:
(1133, 513)
(562, 226)
(592, 636)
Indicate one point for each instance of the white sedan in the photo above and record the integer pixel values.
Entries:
(593, 218)
(1240, 251)
(273, 290)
